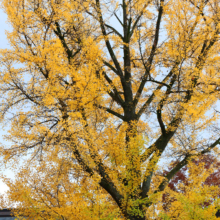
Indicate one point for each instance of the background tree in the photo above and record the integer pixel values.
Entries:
(75, 83)
(203, 181)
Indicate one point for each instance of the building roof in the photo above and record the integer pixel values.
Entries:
(6, 214)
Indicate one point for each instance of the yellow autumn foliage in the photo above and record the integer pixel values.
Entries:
(99, 96)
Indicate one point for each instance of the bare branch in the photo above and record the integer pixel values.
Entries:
(152, 53)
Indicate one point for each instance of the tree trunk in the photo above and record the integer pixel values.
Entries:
(130, 217)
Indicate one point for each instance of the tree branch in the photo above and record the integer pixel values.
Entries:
(181, 164)
(111, 112)
(118, 19)
(152, 53)
(161, 104)
(115, 31)
(106, 181)
(115, 96)
(170, 175)
(137, 20)
(151, 98)
(59, 34)
(111, 67)
(108, 45)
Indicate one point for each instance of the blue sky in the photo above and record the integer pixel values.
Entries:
(3, 44)
(3, 27)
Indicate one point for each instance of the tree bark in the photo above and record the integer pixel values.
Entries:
(131, 217)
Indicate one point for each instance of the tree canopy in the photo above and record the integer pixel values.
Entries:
(101, 95)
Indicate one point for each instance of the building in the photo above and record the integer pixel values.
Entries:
(6, 214)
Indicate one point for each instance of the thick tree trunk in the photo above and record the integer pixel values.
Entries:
(136, 218)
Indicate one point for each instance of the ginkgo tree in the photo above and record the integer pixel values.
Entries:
(116, 88)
